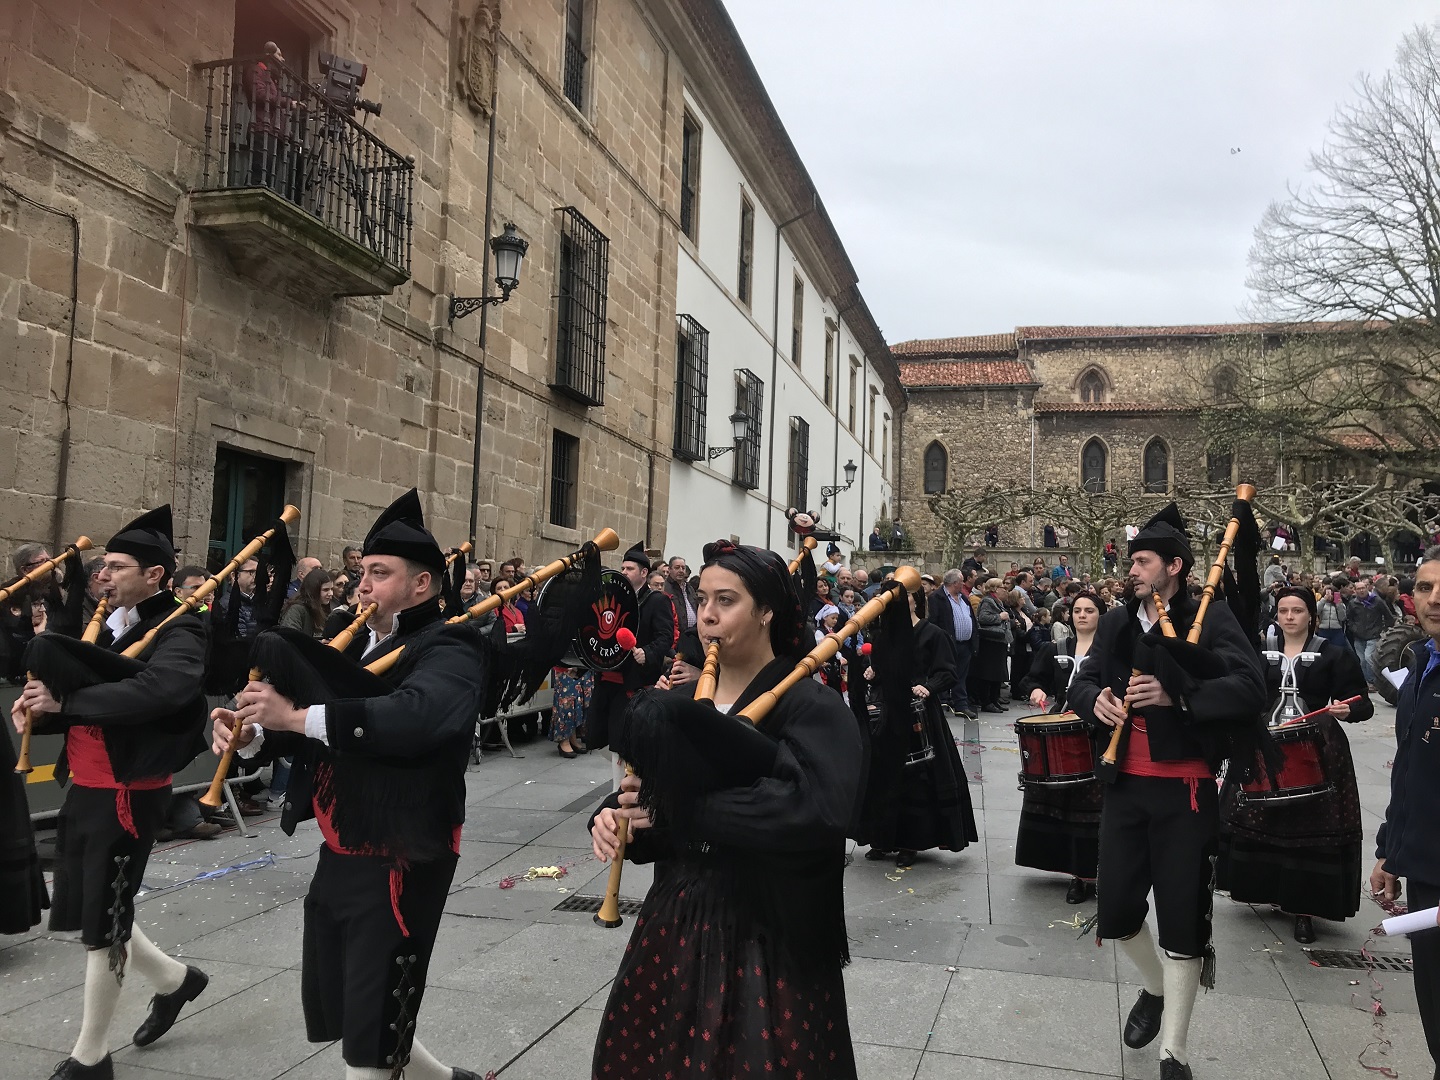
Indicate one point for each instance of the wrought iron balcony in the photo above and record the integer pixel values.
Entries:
(301, 195)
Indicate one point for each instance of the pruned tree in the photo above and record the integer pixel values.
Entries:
(1347, 271)
(964, 512)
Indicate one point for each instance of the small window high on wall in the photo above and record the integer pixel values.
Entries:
(937, 468)
(1094, 466)
(1157, 467)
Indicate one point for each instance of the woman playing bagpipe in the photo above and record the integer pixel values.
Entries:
(917, 796)
(1060, 822)
(1300, 847)
(129, 724)
(734, 966)
(379, 763)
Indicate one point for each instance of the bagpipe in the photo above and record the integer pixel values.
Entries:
(683, 747)
(307, 672)
(65, 665)
(83, 543)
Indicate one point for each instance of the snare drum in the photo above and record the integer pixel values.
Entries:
(1054, 750)
(1303, 774)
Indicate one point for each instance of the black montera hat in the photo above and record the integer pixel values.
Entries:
(637, 555)
(1165, 534)
(401, 531)
(150, 538)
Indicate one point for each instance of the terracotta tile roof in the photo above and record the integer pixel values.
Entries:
(1107, 407)
(975, 345)
(965, 373)
(1040, 333)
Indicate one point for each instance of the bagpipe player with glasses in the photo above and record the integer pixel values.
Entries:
(379, 754)
(132, 715)
(744, 791)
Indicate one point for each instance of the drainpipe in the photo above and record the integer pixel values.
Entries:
(775, 368)
(484, 328)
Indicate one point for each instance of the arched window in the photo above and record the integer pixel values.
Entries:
(1219, 467)
(1094, 465)
(937, 468)
(1091, 386)
(1156, 479)
(1225, 383)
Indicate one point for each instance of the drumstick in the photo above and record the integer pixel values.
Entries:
(1319, 711)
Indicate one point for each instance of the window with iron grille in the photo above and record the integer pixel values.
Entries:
(575, 52)
(885, 447)
(747, 251)
(692, 372)
(583, 277)
(689, 177)
(799, 463)
(797, 321)
(750, 400)
(564, 474)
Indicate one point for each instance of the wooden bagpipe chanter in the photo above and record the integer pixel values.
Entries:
(683, 747)
(66, 665)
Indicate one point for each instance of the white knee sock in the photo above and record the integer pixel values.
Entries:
(162, 972)
(423, 1065)
(102, 993)
(359, 1072)
(1141, 950)
(1182, 983)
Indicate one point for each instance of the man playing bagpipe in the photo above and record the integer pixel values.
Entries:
(1181, 709)
(379, 762)
(129, 724)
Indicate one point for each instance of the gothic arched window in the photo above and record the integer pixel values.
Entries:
(1094, 465)
(937, 468)
(1156, 480)
(1219, 467)
(1091, 387)
(1225, 383)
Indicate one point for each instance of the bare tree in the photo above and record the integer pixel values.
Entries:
(1348, 268)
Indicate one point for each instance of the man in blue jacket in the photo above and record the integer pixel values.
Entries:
(1408, 844)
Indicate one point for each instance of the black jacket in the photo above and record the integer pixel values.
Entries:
(153, 722)
(682, 613)
(658, 633)
(1047, 672)
(1334, 675)
(1220, 697)
(396, 762)
(1408, 840)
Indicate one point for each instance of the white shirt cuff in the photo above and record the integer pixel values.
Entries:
(253, 747)
(315, 724)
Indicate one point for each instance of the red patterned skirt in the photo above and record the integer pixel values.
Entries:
(701, 992)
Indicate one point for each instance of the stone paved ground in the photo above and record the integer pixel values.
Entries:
(963, 967)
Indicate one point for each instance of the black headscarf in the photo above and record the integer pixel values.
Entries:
(767, 578)
(1306, 597)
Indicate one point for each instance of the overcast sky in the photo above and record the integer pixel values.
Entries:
(994, 164)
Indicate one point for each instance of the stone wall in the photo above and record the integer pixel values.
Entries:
(176, 353)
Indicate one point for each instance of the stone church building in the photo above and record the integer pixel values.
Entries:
(1107, 408)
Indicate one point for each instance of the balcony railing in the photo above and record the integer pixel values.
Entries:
(267, 129)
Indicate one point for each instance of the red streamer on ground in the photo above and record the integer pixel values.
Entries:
(1379, 1042)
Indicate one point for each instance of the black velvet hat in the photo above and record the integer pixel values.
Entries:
(1165, 534)
(401, 531)
(637, 556)
(150, 538)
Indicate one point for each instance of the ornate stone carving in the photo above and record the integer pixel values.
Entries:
(478, 34)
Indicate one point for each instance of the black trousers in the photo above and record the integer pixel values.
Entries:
(1160, 833)
(1425, 950)
(362, 975)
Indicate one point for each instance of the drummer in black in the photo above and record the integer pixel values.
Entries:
(1060, 825)
(1184, 712)
(384, 777)
(1302, 853)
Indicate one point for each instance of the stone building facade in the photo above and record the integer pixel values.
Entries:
(220, 290)
(1069, 406)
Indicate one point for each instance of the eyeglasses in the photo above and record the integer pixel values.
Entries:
(115, 568)
(32, 564)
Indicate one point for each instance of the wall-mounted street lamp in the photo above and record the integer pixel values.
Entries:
(739, 427)
(509, 251)
(826, 492)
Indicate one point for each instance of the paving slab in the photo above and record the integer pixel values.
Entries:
(938, 1066)
(39, 968)
(1342, 1033)
(893, 1003)
(876, 1062)
(1038, 950)
(1236, 1036)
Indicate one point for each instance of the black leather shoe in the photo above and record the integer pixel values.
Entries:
(164, 1008)
(991, 708)
(458, 1073)
(1304, 929)
(876, 854)
(70, 1069)
(1170, 1069)
(1076, 893)
(1144, 1022)
(904, 859)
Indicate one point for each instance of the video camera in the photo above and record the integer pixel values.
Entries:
(343, 79)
